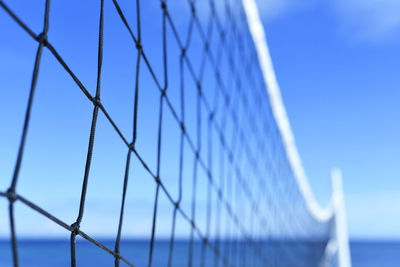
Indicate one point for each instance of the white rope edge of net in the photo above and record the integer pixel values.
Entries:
(279, 112)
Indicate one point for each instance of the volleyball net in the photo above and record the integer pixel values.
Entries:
(185, 94)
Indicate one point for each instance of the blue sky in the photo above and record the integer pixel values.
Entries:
(337, 64)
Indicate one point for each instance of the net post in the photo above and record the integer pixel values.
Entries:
(343, 250)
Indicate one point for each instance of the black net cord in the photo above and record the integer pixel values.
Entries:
(11, 192)
(96, 103)
(132, 145)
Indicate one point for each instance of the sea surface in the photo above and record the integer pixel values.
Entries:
(37, 252)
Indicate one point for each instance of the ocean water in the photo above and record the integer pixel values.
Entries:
(57, 253)
(375, 253)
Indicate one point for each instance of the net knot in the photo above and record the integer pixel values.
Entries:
(75, 228)
(139, 46)
(132, 146)
(96, 101)
(11, 195)
(206, 47)
(163, 5)
(193, 9)
(199, 88)
(177, 205)
(182, 127)
(42, 38)
(183, 52)
(158, 181)
(211, 116)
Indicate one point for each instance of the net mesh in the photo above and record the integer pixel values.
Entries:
(200, 128)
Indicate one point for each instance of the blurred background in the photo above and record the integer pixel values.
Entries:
(337, 65)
